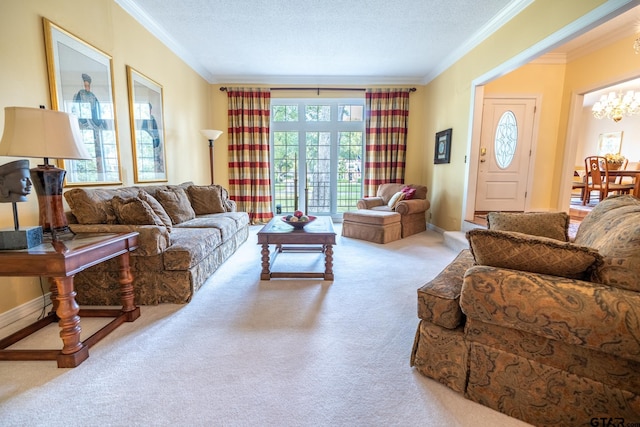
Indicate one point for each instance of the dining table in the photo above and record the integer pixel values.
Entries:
(635, 174)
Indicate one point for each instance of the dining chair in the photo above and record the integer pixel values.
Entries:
(598, 180)
(578, 183)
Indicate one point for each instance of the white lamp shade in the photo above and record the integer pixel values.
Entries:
(211, 134)
(36, 132)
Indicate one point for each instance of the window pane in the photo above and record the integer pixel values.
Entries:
(318, 113)
(350, 154)
(285, 113)
(285, 166)
(350, 113)
(506, 139)
(318, 163)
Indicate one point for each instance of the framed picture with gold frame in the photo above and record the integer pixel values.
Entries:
(609, 143)
(81, 83)
(146, 116)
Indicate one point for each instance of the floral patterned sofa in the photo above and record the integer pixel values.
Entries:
(186, 232)
(536, 327)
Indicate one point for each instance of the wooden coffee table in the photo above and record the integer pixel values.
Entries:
(287, 239)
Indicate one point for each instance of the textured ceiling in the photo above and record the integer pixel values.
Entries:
(321, 41)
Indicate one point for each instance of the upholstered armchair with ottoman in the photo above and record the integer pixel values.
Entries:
(397, 211)
(535, 326)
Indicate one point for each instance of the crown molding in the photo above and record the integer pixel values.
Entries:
(583, 24)
(551, 58)
(505, 15)
(318, 80)
(145, 20)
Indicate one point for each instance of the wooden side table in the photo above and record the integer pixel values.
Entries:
(59, 261)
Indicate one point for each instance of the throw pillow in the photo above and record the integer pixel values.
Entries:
(93, 206)
(176, 203)
(157, 208)
(395, 199)
(134, 211)
(554, 225)
(409, 192)
(518, 251)
(206, 199)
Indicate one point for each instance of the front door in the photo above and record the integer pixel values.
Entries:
(505, 152)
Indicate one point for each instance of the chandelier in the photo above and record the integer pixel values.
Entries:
(616, 105)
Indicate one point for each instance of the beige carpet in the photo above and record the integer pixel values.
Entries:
(247, 352)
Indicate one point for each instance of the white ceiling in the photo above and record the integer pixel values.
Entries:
(321, 41)
(342, 41)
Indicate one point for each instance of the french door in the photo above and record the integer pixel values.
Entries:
(317, 148)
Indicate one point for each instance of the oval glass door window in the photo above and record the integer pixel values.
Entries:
(506, 139)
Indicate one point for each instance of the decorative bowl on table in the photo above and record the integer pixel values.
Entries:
(298, 222)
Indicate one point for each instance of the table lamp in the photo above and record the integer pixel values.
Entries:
(36, 132)
(211, 135)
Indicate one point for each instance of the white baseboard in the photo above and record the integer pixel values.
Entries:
(22, 311)
(435, 228)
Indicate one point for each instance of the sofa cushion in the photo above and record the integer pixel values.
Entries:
(554, 225)
(134, 211)
(574, 312)
(386, 191)
(157, 208)
(518, 251)
(93, 206)
(189, 246)
(226, 225)
(613, 228)
(395, 199)
(372, 216)
(176, 203)
(409, 193)
(206, 199)
(439, 299)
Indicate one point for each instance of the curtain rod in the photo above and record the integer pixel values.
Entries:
(412, 89)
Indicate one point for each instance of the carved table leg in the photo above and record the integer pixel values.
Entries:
(328, 262)
(127, 295)
(265, 274)
(73, 351)
(53, 288)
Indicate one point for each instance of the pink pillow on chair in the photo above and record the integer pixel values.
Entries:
(408, 192)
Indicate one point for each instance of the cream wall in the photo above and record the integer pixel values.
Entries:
(448, 101)
(103, 24)
(591, 129)
(546, 81)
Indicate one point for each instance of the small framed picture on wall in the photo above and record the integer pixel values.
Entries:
(443, 147)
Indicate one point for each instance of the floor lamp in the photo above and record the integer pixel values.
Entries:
(211, 135)
(36, 132)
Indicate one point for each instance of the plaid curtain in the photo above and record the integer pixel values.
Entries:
(249, 183)
(387, 113)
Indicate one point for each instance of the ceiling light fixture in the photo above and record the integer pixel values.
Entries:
(616, 105)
